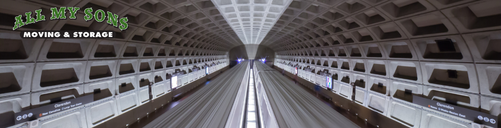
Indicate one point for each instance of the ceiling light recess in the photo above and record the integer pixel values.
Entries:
(251, 19)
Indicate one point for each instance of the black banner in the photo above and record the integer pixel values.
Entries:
(66, 34)
(50, 109)
(465, 113)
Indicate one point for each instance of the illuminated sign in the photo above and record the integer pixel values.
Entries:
(296, 71)
(173, 82)
(207, 70)
(329, 82)
(457, 111)
(50, 109)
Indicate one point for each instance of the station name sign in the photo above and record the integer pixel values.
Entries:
(50, 109)
(60, 14)
(465, 113)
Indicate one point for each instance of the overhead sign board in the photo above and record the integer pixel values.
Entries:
(465, 113)
(53, 108)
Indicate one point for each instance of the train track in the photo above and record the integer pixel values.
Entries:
(294, 107)
(209, 107)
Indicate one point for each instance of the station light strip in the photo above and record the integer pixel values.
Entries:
(251, 119)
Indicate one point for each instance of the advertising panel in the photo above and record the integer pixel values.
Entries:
(329, 82)
(173, 82)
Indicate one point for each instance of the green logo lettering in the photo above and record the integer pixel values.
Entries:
(29, 19)
(58, 14)
(103, 15)
(19, 22)
(73, 11)
(112, 19)
(123, 23)
(88, 14)
(40, 17)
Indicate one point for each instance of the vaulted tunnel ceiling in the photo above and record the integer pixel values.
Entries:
(436, 48)
(251, 19)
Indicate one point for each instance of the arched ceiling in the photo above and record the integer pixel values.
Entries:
(306, 20)
(251, 19)
(308, 24)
